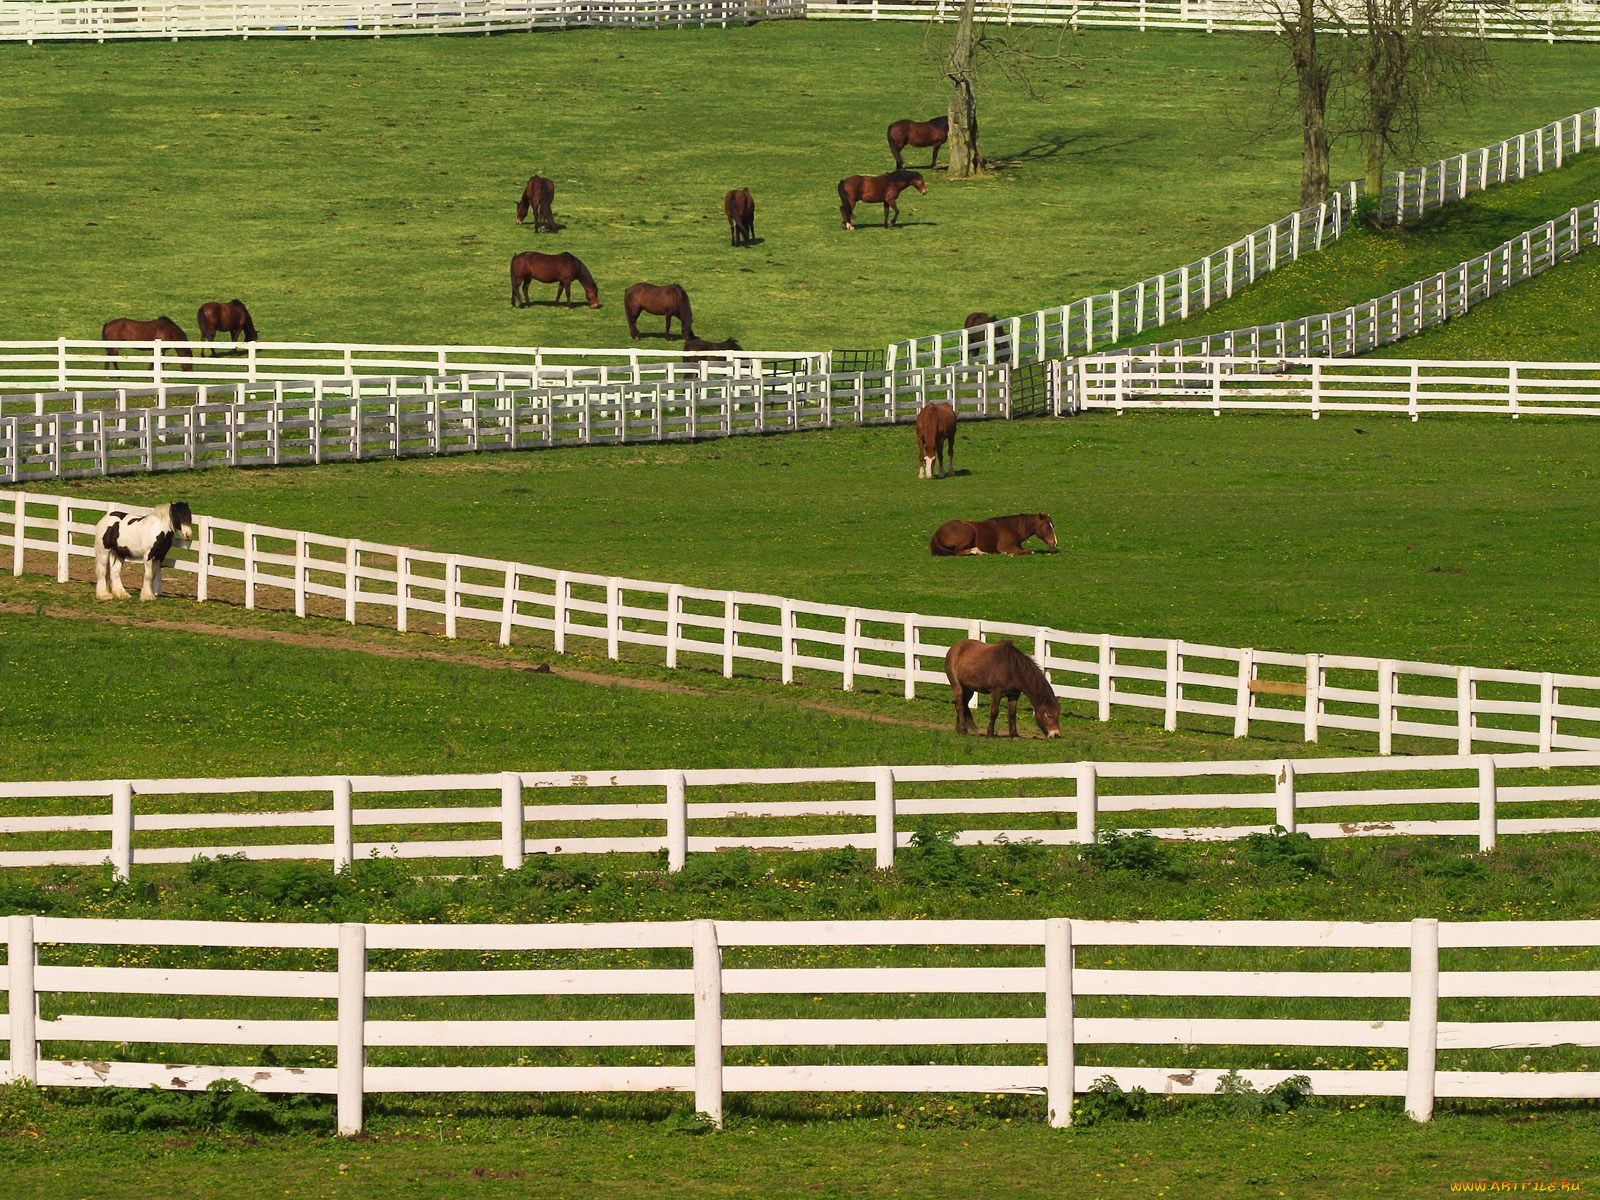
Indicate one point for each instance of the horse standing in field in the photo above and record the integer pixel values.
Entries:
(977, 320)
(162, 329)
(740, 208)
(936, 430)
(664, 300)
(1000, 670)
(559, 269)
(997, 535)
(906, 132)
(119, 538)
(232, 318)
(537, 196)
(875, 189)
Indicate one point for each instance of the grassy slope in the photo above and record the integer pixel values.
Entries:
(363, 190)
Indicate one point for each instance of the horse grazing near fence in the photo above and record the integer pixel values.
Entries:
(936, 430)
(560, 269)
(906, 132)
(740, 208)
(162, 329)
(999, 669)
(664, 300)
(119, 538)
(536, 195)
(232, 318)
(977, 320)
(876, 189)
(703, 345)
(997, 535)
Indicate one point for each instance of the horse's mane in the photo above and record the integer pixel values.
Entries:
(685, 315)
(583, 272)
(1033, 679)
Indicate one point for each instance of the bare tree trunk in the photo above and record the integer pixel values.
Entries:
(962, 71)
(1312, 74)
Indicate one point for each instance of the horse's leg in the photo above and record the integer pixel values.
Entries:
(959, 695)
(118, 592)
(102, 573)
(952, 470)
(994, 709)
(669, 324)
(151, 588)
(1011, 712)
(935, 161)
(846, 211)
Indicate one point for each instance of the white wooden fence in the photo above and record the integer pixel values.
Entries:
(347, 420)
(1045, 1028)
(74, 364)
(414, 589)
(111, 20)
(1316, 386)
(1103, 320)
(866, 808)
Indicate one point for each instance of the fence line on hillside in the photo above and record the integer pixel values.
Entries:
(570, 993)
(69, 365)
(1104, 319)
(340, 423)
(114, 20)
(304, 572)
(1120, 382)
(324, 812)
(1405, 311)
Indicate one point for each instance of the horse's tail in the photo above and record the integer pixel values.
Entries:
(513, 281)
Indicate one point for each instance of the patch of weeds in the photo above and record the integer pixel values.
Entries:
(1105, 1101)
(1238, 1097)
(934, 858)
(226, 1106)
(21, 1107)
(690, 1124)
(724, 871)
(1141, 854)
(1283, 851)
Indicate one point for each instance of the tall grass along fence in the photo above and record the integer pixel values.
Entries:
(1119, 383)
(156, 821)
(1103, 320)
(407, 589)
(68, 365)
(115, 20)
(364, 418)
(1042, 1007)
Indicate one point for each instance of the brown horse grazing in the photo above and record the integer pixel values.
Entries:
(162, 329)
(537, 196)
(664, 300)
(936, 429)
(560, 269)
(232, 318)
(712, 347)
(873, 189)
(1001, 670)
(741, 210)
(905, 133)
(997, 535)
(977, 320)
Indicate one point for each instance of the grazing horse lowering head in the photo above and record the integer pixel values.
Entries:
(667, 300)
(537, 195)
(119, 538)
(740, 209)
(232, 318)
(1001, 670)
(559, 269)
(936, 431)
(162, 329)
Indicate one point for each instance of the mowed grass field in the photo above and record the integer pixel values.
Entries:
(364, 190)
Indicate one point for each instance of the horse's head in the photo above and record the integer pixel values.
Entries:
(1048, 713)
(1045, 528)
(916, 182)
(182, 520)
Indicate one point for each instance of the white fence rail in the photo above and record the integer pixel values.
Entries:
(354, 419)
(354, 1012)
(310, 573)
(1315, 386)
(112, 20)
(1103, 320)
(702, 811)
(69, 365)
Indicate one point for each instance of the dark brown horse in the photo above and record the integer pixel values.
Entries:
(664, 300)
(936, 430)
(162, 329)
(874, 189)
(999, 669)
(997, 535)
(232, 318)
(977, 320)
(537, 196)
(710, 347)
(906, 132)
(560, 269)
(741, 210)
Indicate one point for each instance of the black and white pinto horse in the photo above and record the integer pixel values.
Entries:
(119, 538)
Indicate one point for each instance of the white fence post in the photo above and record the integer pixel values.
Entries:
(674, 611)
(1169, 720)
(1385, 707)
(1488, 799)
(883, 797)
(344, 842)
(1547, 713)
(1107, 664)
(122, 829)
(1464, 699)
(352, 1068)
(1284, 790)
(707, 1022)
(1313, 695)
(1241, 700)
(1422, 1045)
(911, 656)
(23, 1001)
(352, 579)
(1088, 802)
(1060, 1041)
(677, 821)
(512, 845)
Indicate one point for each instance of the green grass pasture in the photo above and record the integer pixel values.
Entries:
(364, 191)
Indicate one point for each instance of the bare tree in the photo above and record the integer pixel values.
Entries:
(1298, 27)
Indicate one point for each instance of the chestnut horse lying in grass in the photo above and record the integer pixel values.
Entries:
(907, 132)
(936, 430)
(997, 535)
(162, 329)
(1000, 670)
(876, 189)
